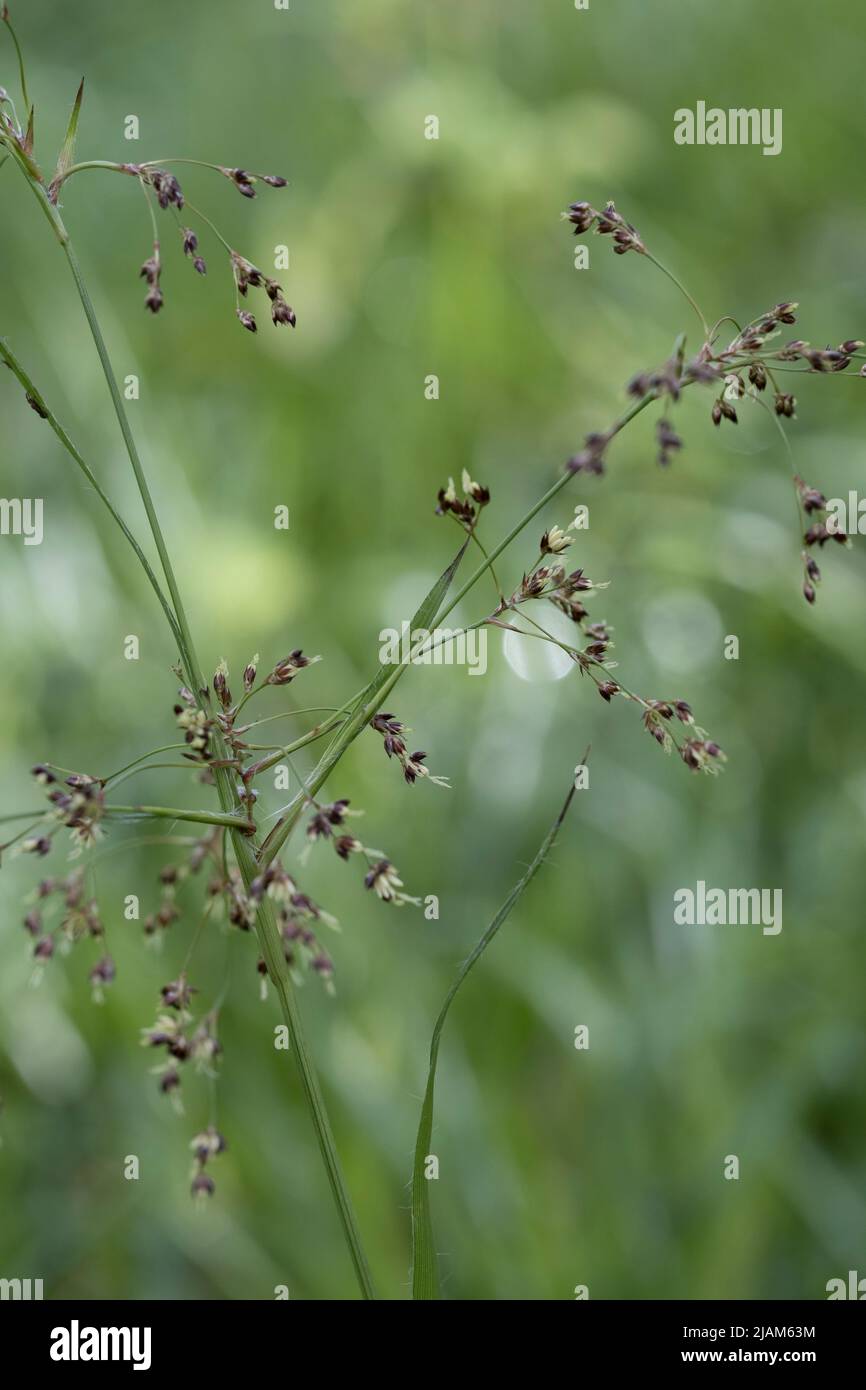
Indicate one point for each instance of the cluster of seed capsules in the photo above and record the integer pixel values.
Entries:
(746, 366)
(165, 188)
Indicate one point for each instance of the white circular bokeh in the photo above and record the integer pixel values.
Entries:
(537, 661)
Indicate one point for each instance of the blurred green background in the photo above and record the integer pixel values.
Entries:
(411, 257)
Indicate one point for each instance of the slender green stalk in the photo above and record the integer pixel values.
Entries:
(164, 748)
(358, 711)
(682, 289)
(22, 834)
(176, 813)
(21, 73)
(150, 767)
(35, 399)
(310, 737)
(365, 711)
(425, 1271)
(267, 928)
(95, 164)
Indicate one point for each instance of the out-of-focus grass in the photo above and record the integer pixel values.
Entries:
(411, 257)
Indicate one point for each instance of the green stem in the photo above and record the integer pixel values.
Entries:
(233, 822)
(95, 164)
(151, 753)
(267, 928)
(34, 397)
(149, 767)
(21, 73)
(353, 726)
(288, 748)
(186, 643)
(682, 289)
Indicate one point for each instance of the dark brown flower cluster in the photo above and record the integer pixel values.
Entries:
(195, 726)
(326, 819)
(170, 197)
(245, 182)
(669, 442)
(247, 275)
(190, 248)
(384, 880)
(173, 876)
(205, 1146)
(826, 359)
(465, 508)
(285, 670)
(78, 802)
(79, 920)
(183, 1039)
(743, 369)
(590, 459)
(608, 222)
(819, 528)
(392, 731)
(550, 583)
(298, 918)
(166, 187)
(698, 752)
(150, 271)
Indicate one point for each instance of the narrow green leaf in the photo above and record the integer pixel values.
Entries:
(424, 613)
(68, 150)
(4, 15)
(425, 1264)
(423, 616)
(349, 730)
(27, 143)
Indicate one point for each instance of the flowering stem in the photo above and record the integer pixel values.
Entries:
(21, 73)
(288, 748)
(175, 813)
(267, 928)
(682, 289)
(35, 399)
(363, 714)
(165, 748)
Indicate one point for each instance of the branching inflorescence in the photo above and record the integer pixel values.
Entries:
(741, 370)
(246, 884)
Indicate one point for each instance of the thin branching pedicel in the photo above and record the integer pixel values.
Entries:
(248, 890)
(742, 370)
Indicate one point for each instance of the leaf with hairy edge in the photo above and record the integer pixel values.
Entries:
(423, 616)
(425, 1265)
(65, 157)
(27, 143)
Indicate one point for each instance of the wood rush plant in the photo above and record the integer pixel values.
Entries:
(246, 883)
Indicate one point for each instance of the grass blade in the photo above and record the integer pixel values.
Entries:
(65, 157)
(425, 1265)
(4, 15)
(423, 616)
(358, 713)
